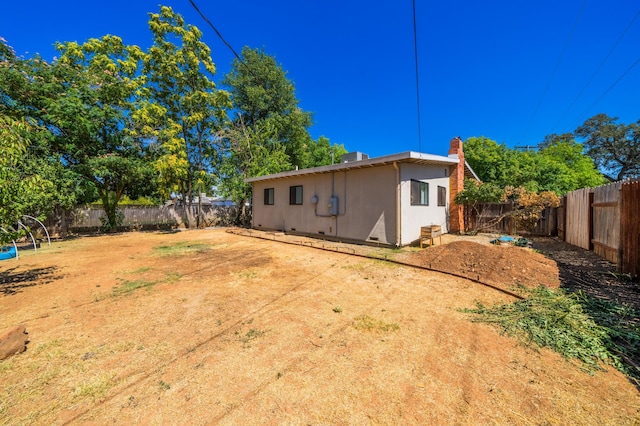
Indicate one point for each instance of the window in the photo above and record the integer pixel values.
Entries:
(442, 196)
(295, 194)
(268, 196)
(419, 193)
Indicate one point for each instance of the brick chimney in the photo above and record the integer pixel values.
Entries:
(456, 185)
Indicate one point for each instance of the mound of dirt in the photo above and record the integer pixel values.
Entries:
(504, 266)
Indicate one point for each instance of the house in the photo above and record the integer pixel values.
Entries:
(383, 200)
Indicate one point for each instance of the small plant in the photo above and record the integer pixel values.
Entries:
(365, 322)
(96, 387)
(337, 309)
(164, 385)
(129, 286)
(251, 335)
(181, 248)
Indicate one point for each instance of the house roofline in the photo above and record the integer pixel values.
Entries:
(403, 157)
(469, 173)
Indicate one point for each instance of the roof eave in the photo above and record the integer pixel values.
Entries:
(403, 157)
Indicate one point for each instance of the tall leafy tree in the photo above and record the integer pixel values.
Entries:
(488, 159)
(615, 147)
(248, 152)
(33, 180)
(23, 190)
(322, 152)
(87, 102)
(559, 166)
(563, 167)
(184, 110)
(262, 96)
(269, 131)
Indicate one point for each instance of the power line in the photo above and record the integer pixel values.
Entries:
(628, 70)
(555, 69)
(220, 36)
(415, 52)
(598, 68)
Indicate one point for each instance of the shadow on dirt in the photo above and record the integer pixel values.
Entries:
(13, 281)
(583, 270)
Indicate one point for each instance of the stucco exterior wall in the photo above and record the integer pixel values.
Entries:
(415, 216)
(366, 205)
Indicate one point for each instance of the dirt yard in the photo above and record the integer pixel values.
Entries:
(208, 327)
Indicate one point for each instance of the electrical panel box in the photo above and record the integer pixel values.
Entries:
(333, 206)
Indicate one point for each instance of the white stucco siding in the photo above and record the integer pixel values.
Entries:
(366, 204)
(415, 216)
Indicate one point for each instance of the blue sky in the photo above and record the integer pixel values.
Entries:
(508, 70)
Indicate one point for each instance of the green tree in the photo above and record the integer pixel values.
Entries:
(559, 165)
(87, 100)
(563, 167)
(264, 97)
(322, 153)
(183, 110)
(33, 180)
(268, 133)
(615, 147)
(488, 159)
(475, 195)
(23, 190)
(249, 151)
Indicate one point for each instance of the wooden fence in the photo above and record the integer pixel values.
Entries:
(496, 217)
(630, 227)
(578, 218)
(605, 228)
(84, 219)
(605, 219)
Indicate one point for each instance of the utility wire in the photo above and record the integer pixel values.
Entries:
(598, 69)
(584, 113)
(415, 52)
(555, 69)
(220, 36)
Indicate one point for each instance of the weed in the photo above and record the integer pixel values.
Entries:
(247, 274)
(164, 386)
(572, 324)
(96, 387)
(132, 401)
(141, 270)
(6, 366)
(337, 309)
(251, 335)
(172, 277)
(365, 322)
(180, 249)
(129, 286)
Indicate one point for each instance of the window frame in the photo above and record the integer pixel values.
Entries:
(269, 196)
(442, 196)
(295, 198)
(418, 189)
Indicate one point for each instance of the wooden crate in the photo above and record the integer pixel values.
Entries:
(429, 233)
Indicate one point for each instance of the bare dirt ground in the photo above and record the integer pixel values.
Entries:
(208, 327)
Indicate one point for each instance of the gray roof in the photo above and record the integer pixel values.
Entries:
(403, 157)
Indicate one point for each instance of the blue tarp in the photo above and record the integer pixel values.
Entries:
(7, 252)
